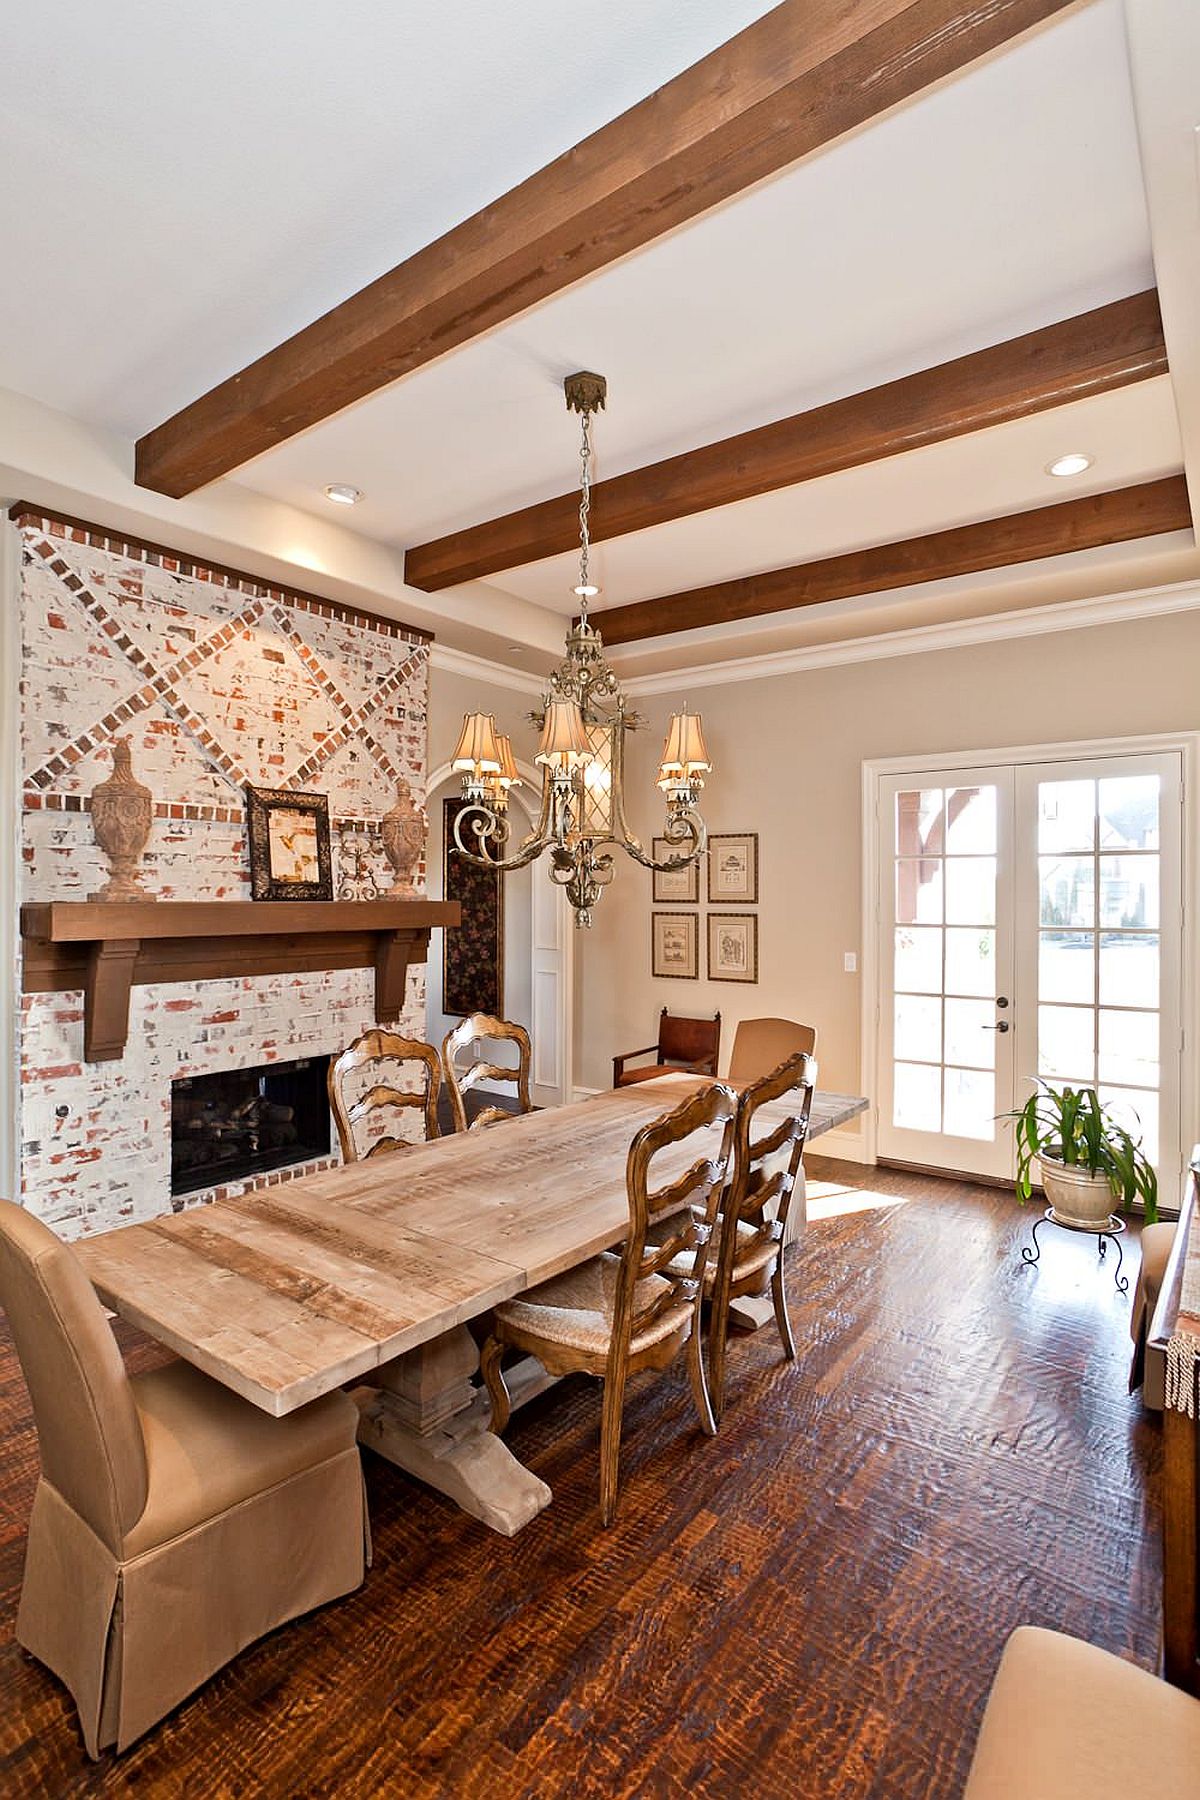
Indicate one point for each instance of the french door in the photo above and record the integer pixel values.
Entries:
(1030, 921)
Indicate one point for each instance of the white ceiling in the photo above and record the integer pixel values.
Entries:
(1009, 197)
(183, 186)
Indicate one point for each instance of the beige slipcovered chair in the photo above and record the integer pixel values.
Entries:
(173, 1523)
(760, 1045)
(1156, 1242)
(1066, 1721)
(482, 1028)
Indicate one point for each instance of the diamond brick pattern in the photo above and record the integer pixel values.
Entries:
(218, 679)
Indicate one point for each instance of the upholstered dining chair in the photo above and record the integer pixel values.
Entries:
(173, 1523)
(760, 1045)
(620, 1313)
(377, 1054)
(751, 1232)
(688, 1046)
(483, 1028)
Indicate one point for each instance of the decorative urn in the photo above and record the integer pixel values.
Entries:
(402, 829)
(122, 812)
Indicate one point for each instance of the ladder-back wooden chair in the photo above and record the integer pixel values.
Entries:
(684, 1046)
(636, 1309)
(747, 1255)
(483, 1028)
(378, 1053)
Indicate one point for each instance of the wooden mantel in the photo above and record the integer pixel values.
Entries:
(106, 948)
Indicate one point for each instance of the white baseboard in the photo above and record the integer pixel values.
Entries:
(847, 1144)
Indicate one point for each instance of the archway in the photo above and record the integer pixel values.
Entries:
(539, 944)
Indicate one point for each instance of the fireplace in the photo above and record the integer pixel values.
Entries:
(244, 1122)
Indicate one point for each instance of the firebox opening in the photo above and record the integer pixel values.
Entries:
(244, 1122)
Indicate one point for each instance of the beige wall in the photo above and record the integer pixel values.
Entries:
(789, 752)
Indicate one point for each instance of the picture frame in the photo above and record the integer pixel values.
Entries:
(733, 868)
(288, 835)
(680, 887)
(675, 946)
(733, 947)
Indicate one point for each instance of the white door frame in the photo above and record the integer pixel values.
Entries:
(564, 921)
(1186, 744)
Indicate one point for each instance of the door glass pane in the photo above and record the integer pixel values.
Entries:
(1129, 968)
(970, 962)
(971, 891)
(918, 1028)
(971, 821)
(918, 959)
(916, 1097)
(1129, 1048)
(1066, 1043)
(1067, 966)
(970, 1104)
(1129, 807)
(919, 822)
(970, 1034)
(1068, 890)
(1129, 891)
(1138, 1112)
(919, 890)
(1066, 815)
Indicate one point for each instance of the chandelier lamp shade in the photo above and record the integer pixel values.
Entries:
(583, 722)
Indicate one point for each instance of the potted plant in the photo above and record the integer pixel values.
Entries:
(1088, 1160)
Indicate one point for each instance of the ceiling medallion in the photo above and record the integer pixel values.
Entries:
(583, 722)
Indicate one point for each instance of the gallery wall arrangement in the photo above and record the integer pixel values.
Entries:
(731, 936)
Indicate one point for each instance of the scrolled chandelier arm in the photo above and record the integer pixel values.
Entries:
(583, 722)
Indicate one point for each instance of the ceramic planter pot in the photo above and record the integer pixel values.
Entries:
(1077, 1197)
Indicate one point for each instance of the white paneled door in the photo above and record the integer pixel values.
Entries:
(1030, 922)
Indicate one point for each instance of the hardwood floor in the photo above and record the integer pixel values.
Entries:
(810, 1604)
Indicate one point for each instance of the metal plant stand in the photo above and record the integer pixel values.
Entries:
(1112, 1228)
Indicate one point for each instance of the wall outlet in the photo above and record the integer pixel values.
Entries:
(850, 962)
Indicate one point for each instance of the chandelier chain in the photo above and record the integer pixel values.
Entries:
(585, 507)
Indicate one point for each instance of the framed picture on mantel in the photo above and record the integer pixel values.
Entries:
(289, 845)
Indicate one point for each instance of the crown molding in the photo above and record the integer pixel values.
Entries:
(479, 668)
(1066, 615)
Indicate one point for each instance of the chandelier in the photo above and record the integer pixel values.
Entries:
(583, 722)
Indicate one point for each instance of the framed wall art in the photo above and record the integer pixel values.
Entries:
(289, 845)
(675, 945)
(680, 886)
(733, 947)
(473, 952)
(733, 868)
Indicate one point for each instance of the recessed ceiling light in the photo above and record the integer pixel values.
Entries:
(342, 494)
(1074, 463)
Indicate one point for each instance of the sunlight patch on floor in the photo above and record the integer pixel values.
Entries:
(834, 1200)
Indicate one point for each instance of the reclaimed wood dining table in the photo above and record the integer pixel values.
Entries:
(373, 1270)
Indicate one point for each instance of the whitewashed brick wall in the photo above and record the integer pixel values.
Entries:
(219, 681)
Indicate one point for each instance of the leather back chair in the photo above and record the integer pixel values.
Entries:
(173, 1523)
(760, 1045)
(480, 1028)
(380, 1053)
(684, 1045)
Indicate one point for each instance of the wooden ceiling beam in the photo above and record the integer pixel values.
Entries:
(1107, 348)
(1124, 513)
(801, 76)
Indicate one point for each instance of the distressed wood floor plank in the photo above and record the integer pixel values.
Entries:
(808, 1607)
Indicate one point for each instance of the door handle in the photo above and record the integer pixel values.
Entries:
(1002, 1026)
